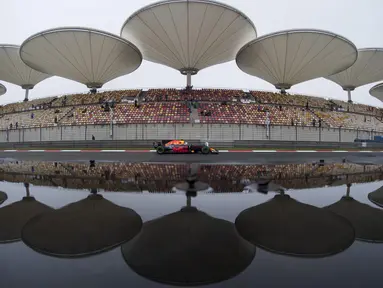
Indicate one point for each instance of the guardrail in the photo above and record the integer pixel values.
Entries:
(116, 144)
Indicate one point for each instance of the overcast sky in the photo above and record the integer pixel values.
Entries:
(356, 20)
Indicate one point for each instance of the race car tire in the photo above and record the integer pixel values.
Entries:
(205, 150)
(160, 150)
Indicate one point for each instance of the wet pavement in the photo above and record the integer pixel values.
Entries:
(119, 224)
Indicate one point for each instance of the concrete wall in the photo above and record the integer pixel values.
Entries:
(211, 132)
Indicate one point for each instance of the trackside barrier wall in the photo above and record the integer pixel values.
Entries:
(210, 132)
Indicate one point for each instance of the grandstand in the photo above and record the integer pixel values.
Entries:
(205, 106)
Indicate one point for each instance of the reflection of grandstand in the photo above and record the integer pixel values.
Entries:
(163, 177)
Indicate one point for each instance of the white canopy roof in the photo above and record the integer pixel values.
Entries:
(367, 69)
(3, 89)
(377, 91)
(290, 57)
(188, 35)
(84, 55)
(14, 71)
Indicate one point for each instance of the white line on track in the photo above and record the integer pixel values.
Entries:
(223, 151)
(70, 150)
(36, 150)
(10, 150)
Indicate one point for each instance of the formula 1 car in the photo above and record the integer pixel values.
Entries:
(182, 147)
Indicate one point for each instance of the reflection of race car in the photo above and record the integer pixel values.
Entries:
(182, 147)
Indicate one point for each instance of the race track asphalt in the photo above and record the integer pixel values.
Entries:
(222, 158)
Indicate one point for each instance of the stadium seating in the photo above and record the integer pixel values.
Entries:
(24, 106)
(158, 95)
(84, 99)
(215, 106)
(209, 95)
(128, 113)
(33, 118)
(213, 95)
(255, 114)
(336, 119)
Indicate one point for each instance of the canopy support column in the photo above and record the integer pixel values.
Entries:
(26, 95)
(349, 96)
(188, 72)
(27, 193)
(348, 190)
(27, 87)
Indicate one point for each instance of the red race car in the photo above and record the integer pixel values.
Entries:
(182, 147)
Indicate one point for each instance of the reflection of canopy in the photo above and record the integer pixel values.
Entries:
(367, 221)
(3, 197)
(376, 197)
(368, 68)
(86, 227)
(14, 216)
(3, 89)
(13, 69)
(188, 35)
(188, 247)
(283, 225)
(377, 91)
(290, 57)
(84, 55)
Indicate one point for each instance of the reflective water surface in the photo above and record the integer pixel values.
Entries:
(99, 224)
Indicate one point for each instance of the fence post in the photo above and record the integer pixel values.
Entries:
(340, 134)
(320, 134)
